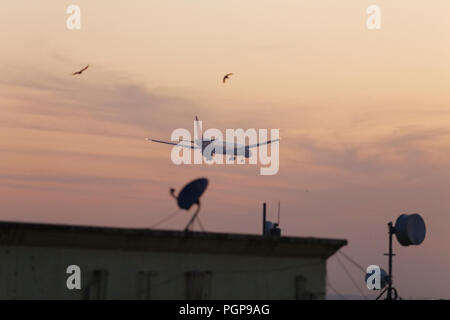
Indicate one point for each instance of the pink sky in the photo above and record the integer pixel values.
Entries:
(363, 118)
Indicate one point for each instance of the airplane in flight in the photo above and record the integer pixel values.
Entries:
(213, 146)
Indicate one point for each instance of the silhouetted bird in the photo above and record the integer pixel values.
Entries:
(227, 76)
(81, 71)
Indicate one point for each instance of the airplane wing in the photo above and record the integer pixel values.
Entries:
(173, 143)
(261, 144)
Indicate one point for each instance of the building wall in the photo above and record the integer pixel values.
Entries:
(40, 273)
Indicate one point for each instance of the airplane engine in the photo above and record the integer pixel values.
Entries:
(208, 150)
(208, 154)
(248, 153)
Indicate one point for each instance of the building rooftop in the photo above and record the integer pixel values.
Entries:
(129, 239)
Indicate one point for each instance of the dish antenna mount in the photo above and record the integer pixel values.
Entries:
(409, 230)
(189, 196)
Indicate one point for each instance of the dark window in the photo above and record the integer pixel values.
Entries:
(198, 285)
(301, 289)
(144, 285)
(97, 288)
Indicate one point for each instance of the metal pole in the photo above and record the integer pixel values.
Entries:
(264, 220)
(390, 254)
(193, 218)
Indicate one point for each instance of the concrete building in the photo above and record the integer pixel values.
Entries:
(152, 264)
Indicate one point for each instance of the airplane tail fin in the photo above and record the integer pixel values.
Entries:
(199, 128)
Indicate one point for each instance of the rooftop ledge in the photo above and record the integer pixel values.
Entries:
(133, 239)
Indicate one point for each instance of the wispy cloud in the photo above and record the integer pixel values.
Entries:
(97, 96)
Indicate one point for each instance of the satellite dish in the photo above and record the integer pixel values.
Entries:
(190, 195)
(410, 229)
(384, 278)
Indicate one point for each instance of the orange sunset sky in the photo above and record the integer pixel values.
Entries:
(363, 118)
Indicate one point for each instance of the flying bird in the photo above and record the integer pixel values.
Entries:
(226, 77)
(81, 71)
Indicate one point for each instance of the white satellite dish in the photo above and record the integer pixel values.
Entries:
(410, 229)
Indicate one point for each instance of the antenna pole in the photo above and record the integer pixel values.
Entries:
(390, 255)
(279, 212)
(193, 218)
(264, 220)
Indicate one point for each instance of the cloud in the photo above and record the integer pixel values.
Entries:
(97, 96)
(400, 150)
(79, 179)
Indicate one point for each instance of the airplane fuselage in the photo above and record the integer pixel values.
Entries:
(209, 148)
